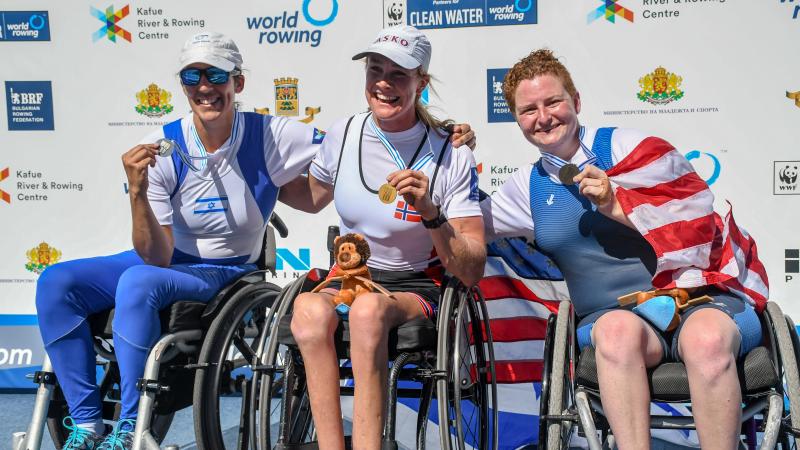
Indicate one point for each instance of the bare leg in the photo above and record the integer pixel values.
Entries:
(625, 346)
(313, 324)
(371, 317)
(708, 344)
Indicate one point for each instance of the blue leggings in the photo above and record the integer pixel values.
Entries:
(67, 293)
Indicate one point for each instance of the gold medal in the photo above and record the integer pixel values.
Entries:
(387, 193)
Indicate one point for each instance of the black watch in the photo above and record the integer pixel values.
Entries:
(436, 222)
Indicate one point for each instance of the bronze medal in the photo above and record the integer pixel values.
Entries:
(567, 173)
(387, 193)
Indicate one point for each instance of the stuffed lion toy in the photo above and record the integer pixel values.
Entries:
(350, 252)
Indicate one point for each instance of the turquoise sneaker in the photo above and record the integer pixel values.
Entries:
(121, 438)
(80, 438)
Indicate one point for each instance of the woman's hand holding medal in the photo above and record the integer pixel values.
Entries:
(136, 161)
(593, 184)
(413, 186)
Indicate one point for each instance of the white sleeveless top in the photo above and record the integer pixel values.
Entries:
(397, 238)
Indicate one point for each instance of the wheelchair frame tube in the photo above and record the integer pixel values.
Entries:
(772, 422)
(587, 423)
(32, 439)
(163, 350)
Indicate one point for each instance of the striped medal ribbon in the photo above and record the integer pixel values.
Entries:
(387, 193)
(167, 146)
(566, 170)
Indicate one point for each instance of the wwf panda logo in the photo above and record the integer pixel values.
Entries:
(788, 174)
(395, 11)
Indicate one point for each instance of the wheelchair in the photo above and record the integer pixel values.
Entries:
(451, 361)
(211, 343)
(571, 399)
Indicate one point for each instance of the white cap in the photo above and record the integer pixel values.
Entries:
(211, 48)
(403, 44)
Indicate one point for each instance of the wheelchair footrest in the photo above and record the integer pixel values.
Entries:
(348, 445)
(42, 377)
(145, 385)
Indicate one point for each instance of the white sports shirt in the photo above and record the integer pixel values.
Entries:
(214, 215)
(397, 238)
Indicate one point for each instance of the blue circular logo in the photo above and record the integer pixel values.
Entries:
(523, 10)
(37, 21)
(323, 22)
(694, 154)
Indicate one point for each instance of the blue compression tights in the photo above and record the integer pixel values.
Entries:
(67, 293)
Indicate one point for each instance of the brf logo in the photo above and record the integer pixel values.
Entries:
(26, 98)
(786, 174)
(497, 107)
(29, 105)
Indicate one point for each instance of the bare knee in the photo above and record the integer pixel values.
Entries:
(708, 343)
(620, 337)
(313, 319)
(369, 321)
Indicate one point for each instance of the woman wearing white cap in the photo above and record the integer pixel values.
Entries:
(198, 222)
(396, 180)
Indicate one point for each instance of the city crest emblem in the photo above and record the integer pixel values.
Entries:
(40, 257)
(287, 101)
(286, 98)
(660, 87)
(154, 101)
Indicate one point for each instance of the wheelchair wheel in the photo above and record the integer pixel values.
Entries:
(785, 339)
(109, 392)
(223, 382)
(284, 408)
(467, 396)
(557, 379)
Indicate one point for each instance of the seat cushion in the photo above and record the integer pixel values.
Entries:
(412, 336)
(669, 383)
(184, 315)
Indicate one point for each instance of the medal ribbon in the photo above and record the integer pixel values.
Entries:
(395, 155)
(591, 158)
(204, 156)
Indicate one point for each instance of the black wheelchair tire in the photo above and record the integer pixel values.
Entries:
(230, 327)
(788, 360)
(159, 425)
(461, 315)
(273, 355)
(557, 433)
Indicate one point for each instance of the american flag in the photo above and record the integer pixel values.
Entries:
(673, 208)
(404, 211)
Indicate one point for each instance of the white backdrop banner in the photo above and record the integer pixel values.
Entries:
(84, 81)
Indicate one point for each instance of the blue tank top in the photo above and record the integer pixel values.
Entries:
(600, 258)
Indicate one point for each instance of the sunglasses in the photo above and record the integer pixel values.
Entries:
(214, 75)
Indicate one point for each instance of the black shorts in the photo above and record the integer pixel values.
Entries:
(413, 282)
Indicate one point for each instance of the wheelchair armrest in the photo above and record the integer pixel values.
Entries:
(269, 258)
(277, 223)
